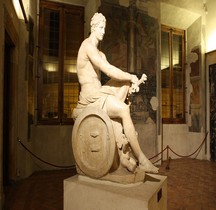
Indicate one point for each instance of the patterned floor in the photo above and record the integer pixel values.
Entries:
(191, 186)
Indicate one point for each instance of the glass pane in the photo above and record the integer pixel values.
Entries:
(177, 50)
(177, 77)
(72, 41)
(50, 64)
(165, 60)
(165, 75)
(178, 104)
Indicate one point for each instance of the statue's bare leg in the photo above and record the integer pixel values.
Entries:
(130, 132)
(119, 88)
(117, 109)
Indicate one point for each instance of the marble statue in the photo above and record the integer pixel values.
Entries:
(110, 99)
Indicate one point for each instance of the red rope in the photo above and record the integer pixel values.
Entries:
(167, 148)
(186, 156)
(158, 153)
(72, 166)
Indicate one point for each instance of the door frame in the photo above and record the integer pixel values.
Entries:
(210, 59)
(8, 101)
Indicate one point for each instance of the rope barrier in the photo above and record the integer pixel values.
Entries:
(51, 164)
(186, 156)
(158, 154)
(167, 148)
(182, 156)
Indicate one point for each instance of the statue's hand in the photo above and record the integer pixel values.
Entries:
(135, 85)
(134, 88)
(143, 79)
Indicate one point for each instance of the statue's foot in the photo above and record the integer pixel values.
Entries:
(148, 167)
(128, 163)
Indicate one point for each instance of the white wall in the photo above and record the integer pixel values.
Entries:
(182, 142)
(210, 25)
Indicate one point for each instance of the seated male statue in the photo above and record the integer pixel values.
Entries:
(111, 96)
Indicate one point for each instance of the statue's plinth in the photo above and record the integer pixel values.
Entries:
(83, 193)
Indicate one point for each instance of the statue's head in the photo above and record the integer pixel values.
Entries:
(96, 20)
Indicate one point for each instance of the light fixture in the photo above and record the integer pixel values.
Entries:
(23, 11)
(20, 10)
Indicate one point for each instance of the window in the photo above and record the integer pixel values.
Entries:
(60, 35)
(173, 75)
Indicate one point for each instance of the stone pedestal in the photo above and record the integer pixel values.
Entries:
(83, 193)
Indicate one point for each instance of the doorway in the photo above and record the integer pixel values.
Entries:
(7, 105)
(212, 88)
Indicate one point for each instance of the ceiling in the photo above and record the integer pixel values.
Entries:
(181, 14)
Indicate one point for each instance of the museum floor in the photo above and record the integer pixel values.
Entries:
(191, 186)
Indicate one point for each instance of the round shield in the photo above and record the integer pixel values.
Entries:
(93, 142)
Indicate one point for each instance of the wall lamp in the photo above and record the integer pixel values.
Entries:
(23, 11)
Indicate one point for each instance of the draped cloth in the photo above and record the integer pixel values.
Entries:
(96, 99)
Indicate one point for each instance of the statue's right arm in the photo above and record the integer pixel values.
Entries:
(99, 60)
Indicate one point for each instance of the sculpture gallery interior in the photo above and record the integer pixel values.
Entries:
(73, 139)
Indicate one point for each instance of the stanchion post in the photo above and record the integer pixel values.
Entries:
(167, 167)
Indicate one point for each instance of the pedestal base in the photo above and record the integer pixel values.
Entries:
(82, 193)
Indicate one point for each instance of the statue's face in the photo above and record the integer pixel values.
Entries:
(100, 30)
